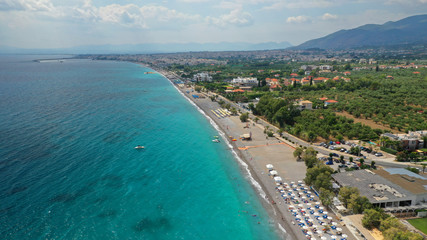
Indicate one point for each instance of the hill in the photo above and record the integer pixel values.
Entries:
(410, 30)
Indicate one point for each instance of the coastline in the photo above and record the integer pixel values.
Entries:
(258, 179)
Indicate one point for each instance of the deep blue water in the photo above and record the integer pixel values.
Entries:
(69, 170)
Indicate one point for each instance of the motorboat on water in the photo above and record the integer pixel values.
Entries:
(215, 140)
(139, 147)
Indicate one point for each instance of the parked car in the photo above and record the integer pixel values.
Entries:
(378, 154)
(335, 155)
(342, 150)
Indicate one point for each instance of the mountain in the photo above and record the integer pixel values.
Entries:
(151, 48)
(409, 30)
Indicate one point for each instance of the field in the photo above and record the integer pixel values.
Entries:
(420, 224)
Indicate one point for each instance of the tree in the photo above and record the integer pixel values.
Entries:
(373, 165)
(358, 204)
(244, 117)
(424, 166)
(350, 159)
(233, 111)
(362, 161)
(298, 152)
(391, 222)
(345, 194)
(326, 196)
(372, 218)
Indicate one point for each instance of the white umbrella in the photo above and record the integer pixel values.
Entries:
(273, 172)
(303, 197)
(309, 204)
(292, 182)
(277, 179)
(325, 212)
(310, 220)
(317, 202)
(300, 181)
(334, 237)
(298, 216)
(300, 205)
(315, 226)
(339, 229)
(320, 232)
(330, 218)
(309, 233)
(323, 238)
(334, 223)
(344, 236)
(316, 214)
(269, 166)
(305, 227)
(321, 208)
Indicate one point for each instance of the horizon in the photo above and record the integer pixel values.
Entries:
(52, 24)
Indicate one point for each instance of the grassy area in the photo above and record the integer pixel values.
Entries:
(419, 223)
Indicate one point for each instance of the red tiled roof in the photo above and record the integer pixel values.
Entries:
(294, 74)
(238, 90)
(323, 98)
(331, 101)
(416, 72)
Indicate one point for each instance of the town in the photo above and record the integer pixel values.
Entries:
(362, 113)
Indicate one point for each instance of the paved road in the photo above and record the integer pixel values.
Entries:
(379, 161)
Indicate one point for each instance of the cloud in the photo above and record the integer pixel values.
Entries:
(297, 4)
(26, 5)
(328, 16)
(298, 19)
(236, 17)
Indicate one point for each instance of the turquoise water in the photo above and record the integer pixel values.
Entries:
(69, 170)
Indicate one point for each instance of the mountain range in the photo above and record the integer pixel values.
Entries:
(151, 48)
(410, 30)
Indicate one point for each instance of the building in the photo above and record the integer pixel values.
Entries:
(410, 141)
(391, 189)
(329, 102)
(301, 105)
(245, 82)
(202, 77)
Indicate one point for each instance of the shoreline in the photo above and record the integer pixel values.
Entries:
(284, 228)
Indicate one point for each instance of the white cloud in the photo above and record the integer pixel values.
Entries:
(298, 19)
(296, 4)
(26, 5)
(328, 16)
(236, 17)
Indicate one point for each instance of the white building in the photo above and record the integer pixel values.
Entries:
(248, 82)
(202, 77)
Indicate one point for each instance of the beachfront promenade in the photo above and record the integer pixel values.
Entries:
(290, 203)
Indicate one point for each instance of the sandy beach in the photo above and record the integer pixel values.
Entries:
(256, 154)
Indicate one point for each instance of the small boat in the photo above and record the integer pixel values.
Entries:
(215, 140)
(216, 137)
(139, 147)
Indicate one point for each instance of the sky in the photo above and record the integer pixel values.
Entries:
(70, 23)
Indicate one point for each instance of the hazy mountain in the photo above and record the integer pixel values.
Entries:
(409, 30)
(151, 48)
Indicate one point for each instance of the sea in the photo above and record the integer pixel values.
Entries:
(69, 169)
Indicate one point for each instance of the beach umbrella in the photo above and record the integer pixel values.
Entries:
(334, 223)
(300, 181)
(309, 204)
(277, 179)
(334, 237)
(300, 205)
(344, 236)
(273, 172)
(322, 208)
(323, 238)
(339, 229)
(309, 233)
(317, 202)
(269, 166)
(316, 214)
(330, 218)
(292, 182)
(325, 212)
(298, 216)
(305, 227)
(315, 226)
(310, 220)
